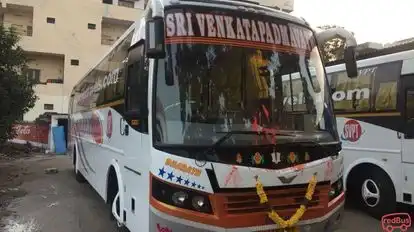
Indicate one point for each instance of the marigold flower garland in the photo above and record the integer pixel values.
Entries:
(299, 212)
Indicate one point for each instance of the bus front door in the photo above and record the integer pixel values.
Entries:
(407, 138)
(407, 135)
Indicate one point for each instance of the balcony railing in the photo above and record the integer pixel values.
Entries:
(24, 30)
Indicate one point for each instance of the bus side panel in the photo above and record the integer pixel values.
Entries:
(364, 142)
(92, 157)
(407, 187)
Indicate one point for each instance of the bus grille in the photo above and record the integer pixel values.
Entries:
(279, 199)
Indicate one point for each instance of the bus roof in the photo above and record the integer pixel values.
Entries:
(138, 27)
(404, 55)
(249, 5)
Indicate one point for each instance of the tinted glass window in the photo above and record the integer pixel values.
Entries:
(409, 108)
(375, 89)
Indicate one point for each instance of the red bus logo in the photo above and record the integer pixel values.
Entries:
(109, 125)
(401, 221)
(163, 229)
(352, 131)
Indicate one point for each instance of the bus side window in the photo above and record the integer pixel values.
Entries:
(136, 88)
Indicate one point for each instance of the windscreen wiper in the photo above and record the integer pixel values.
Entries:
(309, 143)
(213, 147)
(230, 133)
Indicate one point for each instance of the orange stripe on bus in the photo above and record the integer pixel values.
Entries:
(232, 42)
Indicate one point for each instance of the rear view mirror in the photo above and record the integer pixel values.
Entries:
(350, 42)
(154, 38)
(350, 62)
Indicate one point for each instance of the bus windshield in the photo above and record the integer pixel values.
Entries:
(206, 88)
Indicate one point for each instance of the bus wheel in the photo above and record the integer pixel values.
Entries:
(112, 191)
(376, 192)
(78, 176)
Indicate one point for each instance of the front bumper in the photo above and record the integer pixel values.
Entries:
(162, 222)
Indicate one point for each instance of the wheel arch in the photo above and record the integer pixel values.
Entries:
(114, 171)
(367, 163)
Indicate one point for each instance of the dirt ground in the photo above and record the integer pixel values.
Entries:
(34, 201)
(13, 172)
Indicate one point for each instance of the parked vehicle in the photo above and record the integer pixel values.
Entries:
(375, 115)
(181, 126)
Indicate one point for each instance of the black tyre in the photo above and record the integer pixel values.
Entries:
(112, 191)
(375, 192)
(78, 176)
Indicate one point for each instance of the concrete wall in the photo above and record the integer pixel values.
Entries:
(54, 46)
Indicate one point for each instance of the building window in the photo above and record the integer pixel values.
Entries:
(50, 20)
(74, 62)
(20, 29)
(126, 3)
(107, 1)
(29, 31)
(33, 74)
(48, 106)
(91, 26)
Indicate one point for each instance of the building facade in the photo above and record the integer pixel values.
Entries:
(63, 40)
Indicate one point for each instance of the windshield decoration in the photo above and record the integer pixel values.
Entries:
(233, 85)
(275, 157)
(222, 29)
(307, 157)
(257, 158)
(292, 158)
(239, 158)
(269, 134)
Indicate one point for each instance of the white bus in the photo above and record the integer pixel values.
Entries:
(375, 115)
(182, 122)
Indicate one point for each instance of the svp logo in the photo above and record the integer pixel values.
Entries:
(400, 221)
(352, 131)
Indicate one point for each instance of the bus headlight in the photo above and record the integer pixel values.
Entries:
(180, 197)
(199, 203)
